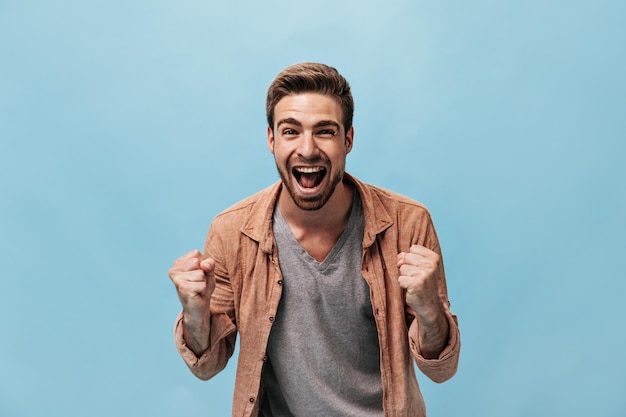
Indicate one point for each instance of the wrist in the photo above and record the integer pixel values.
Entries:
(428, 313)
(431, 317)
(197, 318)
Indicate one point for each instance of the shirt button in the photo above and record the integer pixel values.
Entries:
(272, 319)
(251, 399)
(264, 359)
(280, 282)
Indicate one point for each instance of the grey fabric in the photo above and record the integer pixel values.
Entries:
(323, 352)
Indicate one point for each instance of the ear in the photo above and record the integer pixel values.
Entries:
(270, 139)
(349, 139)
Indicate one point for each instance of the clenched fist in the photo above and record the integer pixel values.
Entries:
(418, 276)
(194, 281)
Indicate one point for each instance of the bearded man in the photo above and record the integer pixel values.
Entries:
(335, 287)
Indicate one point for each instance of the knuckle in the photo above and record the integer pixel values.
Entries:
(405, 269)
(416, 248)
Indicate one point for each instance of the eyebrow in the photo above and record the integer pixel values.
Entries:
(289, 121)
(295, 122)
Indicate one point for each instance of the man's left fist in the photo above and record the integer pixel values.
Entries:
(418, 276)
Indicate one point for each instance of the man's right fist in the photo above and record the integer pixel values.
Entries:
(194, 281)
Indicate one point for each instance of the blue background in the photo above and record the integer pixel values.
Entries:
(125, 126)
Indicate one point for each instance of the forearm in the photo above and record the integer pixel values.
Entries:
(433, 333)
(196, 331)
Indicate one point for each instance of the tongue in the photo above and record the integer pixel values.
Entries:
(309, 180)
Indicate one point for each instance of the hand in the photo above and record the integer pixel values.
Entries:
(418, 276)
(195, 283)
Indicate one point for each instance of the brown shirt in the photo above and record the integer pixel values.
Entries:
(249, 286)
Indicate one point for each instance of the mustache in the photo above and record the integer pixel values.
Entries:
(308, 161)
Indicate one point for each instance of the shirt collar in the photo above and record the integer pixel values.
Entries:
(258, 224)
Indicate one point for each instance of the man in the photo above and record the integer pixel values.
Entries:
(334, 286)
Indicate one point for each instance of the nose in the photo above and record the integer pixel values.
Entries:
(308, 146)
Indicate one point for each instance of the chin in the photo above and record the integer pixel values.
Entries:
(309, 204)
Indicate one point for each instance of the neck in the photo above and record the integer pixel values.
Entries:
(332, 216)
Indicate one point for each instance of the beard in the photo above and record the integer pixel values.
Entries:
(309, 203)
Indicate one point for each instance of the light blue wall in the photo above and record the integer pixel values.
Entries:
(125, 126)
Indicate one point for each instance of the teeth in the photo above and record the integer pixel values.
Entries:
(308, 170)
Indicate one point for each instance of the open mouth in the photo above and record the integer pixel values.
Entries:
(309, 177)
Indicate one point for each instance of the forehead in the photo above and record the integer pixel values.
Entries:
(308, 107)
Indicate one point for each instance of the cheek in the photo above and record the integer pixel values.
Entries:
(281, 157)
(337, 156)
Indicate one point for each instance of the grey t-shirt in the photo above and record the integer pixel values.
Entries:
(323, 348)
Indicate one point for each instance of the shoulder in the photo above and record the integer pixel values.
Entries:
(248, 204)
(394, 216)
(251, 216)
(392, 198)
(391, 202)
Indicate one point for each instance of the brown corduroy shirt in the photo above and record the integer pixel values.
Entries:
(249, 286)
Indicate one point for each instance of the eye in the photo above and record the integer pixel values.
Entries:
(289, 132)
(327, 133)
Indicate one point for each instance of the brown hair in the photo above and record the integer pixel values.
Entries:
(310, 77)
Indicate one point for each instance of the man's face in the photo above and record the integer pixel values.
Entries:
(310, 145)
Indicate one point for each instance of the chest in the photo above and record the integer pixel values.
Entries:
(317, 245)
